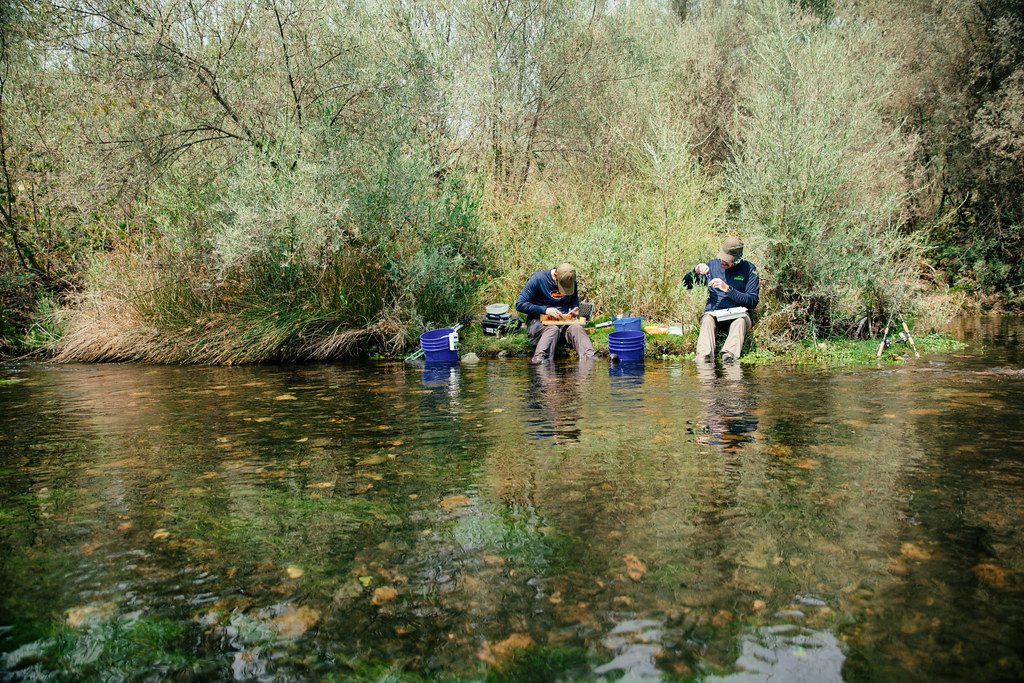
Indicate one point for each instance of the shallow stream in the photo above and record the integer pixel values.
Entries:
(501, 520)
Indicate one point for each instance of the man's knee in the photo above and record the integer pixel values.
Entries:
(708, 327)
(579, 339)
(542, 334)
(534, 330)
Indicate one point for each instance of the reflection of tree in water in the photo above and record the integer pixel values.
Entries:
(245, 473)
(957, 559)
(1002, 338)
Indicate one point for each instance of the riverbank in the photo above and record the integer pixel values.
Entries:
(834, 352)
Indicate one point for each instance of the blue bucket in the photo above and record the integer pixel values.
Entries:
(628, 324)
(628, 346)
(435, 346)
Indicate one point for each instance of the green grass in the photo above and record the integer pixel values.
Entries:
(843, 352)
(832, 352)
(517, 345)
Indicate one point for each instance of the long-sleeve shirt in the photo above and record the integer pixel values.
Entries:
(536, 296)
(744, 286)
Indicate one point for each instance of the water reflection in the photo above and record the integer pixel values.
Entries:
(786, 652)
(731, 417)
(636, 643)
(556, 397)
(435, 374)
(306, 522)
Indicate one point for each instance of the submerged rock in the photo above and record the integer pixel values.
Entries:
(295, 621)
(790, 614)
(811, 601)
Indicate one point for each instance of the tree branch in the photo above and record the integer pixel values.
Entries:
(288, 63)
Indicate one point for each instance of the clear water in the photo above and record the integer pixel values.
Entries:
(501, 520)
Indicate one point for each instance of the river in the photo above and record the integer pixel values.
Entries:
(501, 521)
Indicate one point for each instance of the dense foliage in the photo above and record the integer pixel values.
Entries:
(232, 181)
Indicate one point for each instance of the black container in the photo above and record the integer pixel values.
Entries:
(504, 323)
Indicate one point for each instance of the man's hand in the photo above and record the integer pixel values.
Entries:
(574, 313)
(702, 269)
(553, 313)
(719, 284)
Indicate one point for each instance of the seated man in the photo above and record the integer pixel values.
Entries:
(733, 282)
(553, 292)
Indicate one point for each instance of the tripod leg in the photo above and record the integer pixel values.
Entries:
(909, 336)
(881, 347)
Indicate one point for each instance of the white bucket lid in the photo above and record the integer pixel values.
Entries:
(497, 309)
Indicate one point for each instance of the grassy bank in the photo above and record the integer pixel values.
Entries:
(832, 352)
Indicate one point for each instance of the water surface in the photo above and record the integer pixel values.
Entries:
(501, 520)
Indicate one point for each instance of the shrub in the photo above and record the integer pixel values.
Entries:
(310, 262)
(819, 173)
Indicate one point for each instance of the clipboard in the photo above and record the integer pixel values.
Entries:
(727, 314)
(548, 320)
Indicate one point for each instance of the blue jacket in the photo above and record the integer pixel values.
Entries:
(744, 286)
(536, 296)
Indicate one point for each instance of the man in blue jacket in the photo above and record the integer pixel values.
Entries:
(731, 282)
(554, 293)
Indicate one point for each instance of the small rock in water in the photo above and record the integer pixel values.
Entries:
(914, 552)
(635, 567)
(81, 616)
(383, 594)
(470, 358)
(790, 614)
(990, 574)
(456, 501)
(811, 601)
(295, 621)
(494, 653)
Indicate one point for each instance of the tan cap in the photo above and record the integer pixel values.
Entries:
(565, 276)
(732, 249)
